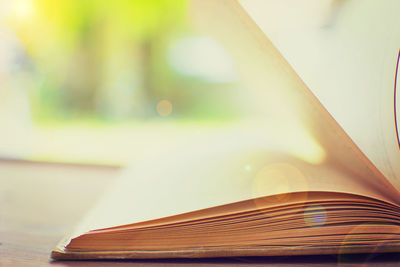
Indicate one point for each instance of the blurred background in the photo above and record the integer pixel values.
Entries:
(94, 82)
(100, 83)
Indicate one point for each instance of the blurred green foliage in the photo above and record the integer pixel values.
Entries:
(108, 60)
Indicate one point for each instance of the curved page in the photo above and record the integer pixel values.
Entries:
(346, 52)
(246, 161)
(212, 172)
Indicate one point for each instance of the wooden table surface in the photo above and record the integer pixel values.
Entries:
(41, 202)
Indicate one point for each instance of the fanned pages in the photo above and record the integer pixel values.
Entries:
(250, 189)
(347, 53)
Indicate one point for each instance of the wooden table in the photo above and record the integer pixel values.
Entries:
(41, 202)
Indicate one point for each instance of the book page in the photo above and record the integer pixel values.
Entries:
(266, 71)
(219, 168)
(346, 52)
(262, 158)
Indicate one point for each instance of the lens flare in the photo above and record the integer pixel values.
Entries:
(315, 215)
(278, 180)
(356, 234)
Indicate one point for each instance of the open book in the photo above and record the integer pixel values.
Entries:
(308, 187)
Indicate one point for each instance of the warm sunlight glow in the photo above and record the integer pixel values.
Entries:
(309, 150)
(23, 9)
(297, 141)
(278, 178)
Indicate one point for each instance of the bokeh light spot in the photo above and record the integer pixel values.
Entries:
(248, 168)
(315, 215)
(279, 180)
(164, 107)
